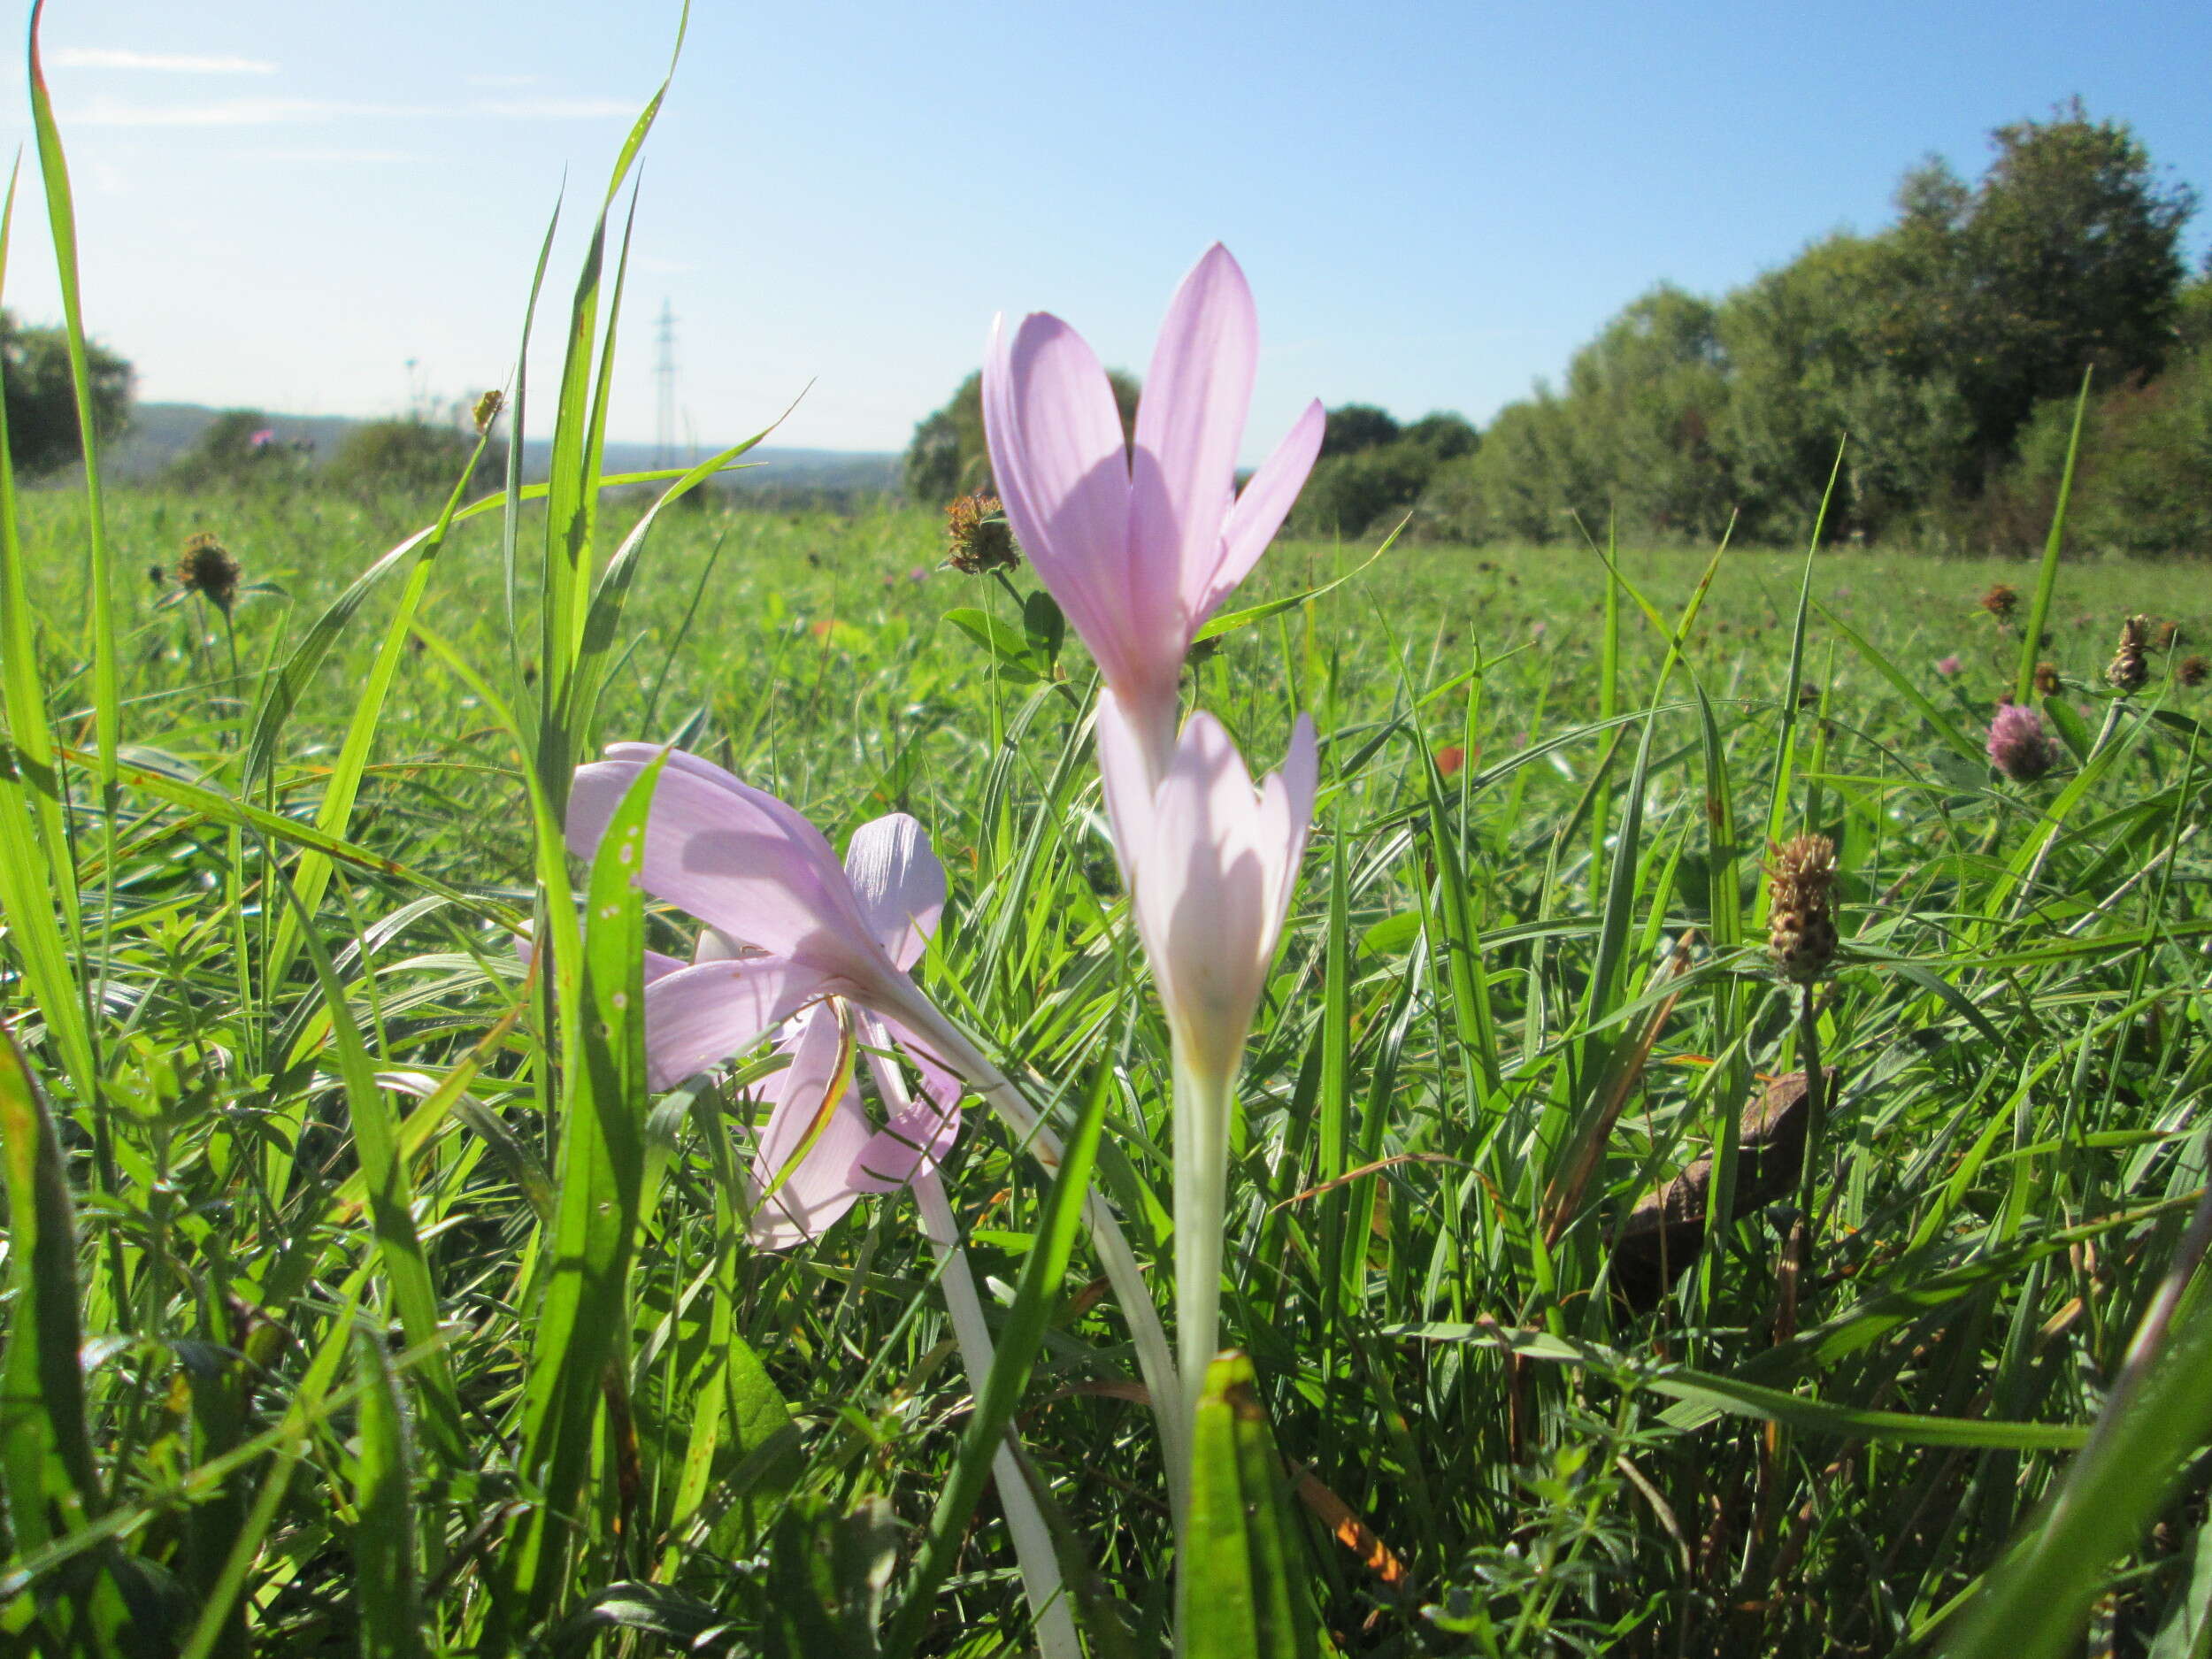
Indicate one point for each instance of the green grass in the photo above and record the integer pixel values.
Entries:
(371, 1139)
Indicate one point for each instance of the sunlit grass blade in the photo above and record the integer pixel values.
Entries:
(387, 1584)
(1240, 1585)
(52, 1478)
(2047, 572)
(61, 215)
(583, 1316)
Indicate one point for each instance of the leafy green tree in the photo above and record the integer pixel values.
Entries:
(1646, 398)
(1355, 427)
(1528, 482)
(42, 399)
(947, 457)
(1444, 435)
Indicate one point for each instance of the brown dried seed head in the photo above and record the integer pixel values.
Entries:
(2168, 634)
(2046, 678)
(1801, 911)
(2192, 671)
(208, 569)
(978, 537)
(2000, 602)
(2127, 672)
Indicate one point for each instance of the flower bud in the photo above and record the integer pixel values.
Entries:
(2127, 673)
(1801, 911)
(978, 536)
(208, 569)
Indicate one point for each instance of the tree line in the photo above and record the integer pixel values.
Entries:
(1932, 367)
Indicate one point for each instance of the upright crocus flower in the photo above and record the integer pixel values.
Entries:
(1140, 544)
(1211, 862)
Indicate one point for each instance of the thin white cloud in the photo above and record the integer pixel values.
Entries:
(172, 63)
(283, 112)
(235, 112)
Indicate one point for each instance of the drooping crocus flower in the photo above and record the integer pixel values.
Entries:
(798, 925)
(788, 927)
(756, 872)
(1140, 543)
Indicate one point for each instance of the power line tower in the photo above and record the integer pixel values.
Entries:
(665, 388)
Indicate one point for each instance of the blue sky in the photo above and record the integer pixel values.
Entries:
(285, 204)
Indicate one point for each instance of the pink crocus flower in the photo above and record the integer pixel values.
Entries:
(1142, 543)
(790, 932)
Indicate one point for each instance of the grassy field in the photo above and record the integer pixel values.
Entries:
(326, 1178)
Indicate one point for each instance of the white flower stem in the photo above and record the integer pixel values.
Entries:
(1156, 1359)
(1201, 1189)
(1032, 1541)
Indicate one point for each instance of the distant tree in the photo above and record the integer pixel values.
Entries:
(1646, 399)
(238, 449)
(408, 457)
(947, 457)
(42, 400)
(1444, 435)
(1355, 427)
(1528, 482)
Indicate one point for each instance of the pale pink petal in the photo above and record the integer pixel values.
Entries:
(1213, 882)
(1126, 776)
(798, 1202)
(739, 860)
(1190, 424)
(921, 1128)
(696, 1017)
(1269, 494)
(1061, 468)
(899, 883)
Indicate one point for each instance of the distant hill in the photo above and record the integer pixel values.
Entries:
(159, 432)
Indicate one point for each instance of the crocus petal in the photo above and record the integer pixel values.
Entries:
(698, 1017)
(922, 1130)
(1061, 468)
(1269, 494)
(1190, 423)
(811, 1193)
(899, 883)
(735, 857)
(1128, 772)
(1211, 884)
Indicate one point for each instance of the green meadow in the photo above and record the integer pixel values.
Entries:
(1526, 984)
